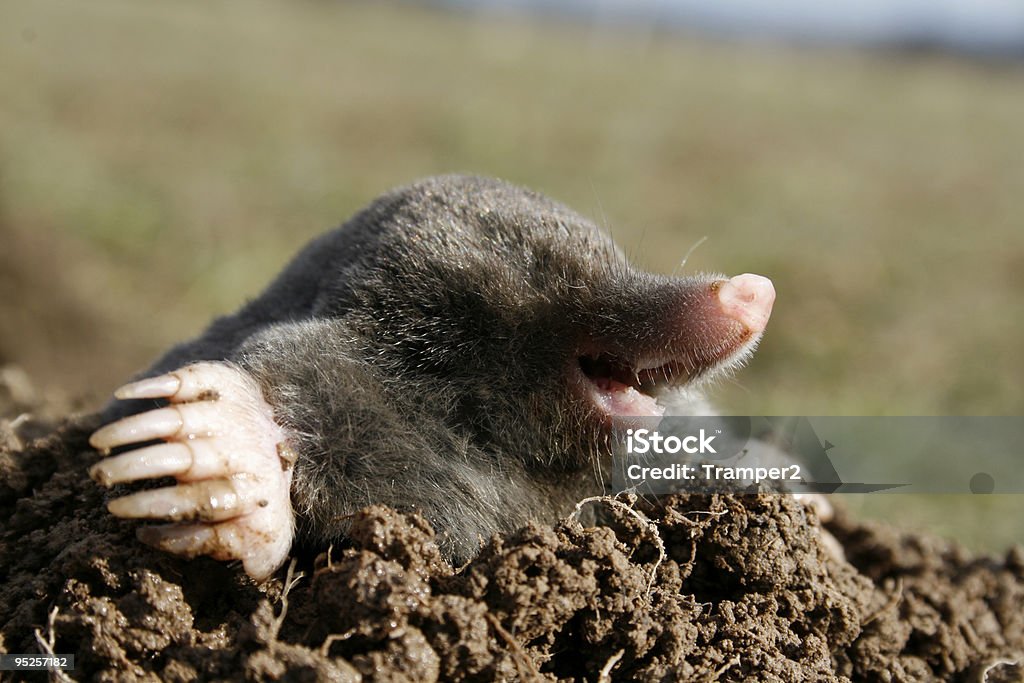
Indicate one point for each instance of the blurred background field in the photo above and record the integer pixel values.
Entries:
(160, 161)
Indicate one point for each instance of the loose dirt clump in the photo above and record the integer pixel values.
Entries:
(691, 588)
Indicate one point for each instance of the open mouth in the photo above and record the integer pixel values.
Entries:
(620, 388)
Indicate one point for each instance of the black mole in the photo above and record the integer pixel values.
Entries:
(457, 348)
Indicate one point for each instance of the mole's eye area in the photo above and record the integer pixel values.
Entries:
(620, 388)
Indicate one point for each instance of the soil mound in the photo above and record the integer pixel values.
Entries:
(695, 588)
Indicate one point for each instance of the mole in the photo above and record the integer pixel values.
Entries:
(459, 348)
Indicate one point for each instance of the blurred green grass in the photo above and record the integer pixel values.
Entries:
(160, 161)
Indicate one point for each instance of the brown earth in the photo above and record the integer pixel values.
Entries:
(696, 588)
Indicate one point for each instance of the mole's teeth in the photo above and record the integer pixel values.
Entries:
(154, 424)
(210, 500)
(165, 460)
(164, 386)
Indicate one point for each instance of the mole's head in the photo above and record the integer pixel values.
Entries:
(529, 325)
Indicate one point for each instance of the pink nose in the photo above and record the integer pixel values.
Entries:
(748, 299)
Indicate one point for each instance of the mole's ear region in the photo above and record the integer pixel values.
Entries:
(747, 299)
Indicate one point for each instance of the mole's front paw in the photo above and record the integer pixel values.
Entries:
(230, 458)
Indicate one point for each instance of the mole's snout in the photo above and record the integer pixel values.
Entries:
(748, 299)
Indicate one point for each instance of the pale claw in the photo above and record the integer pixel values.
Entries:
(230, 458)
(191, 459)
(164, 386)
(225, 541)
(819, 503)
(192, 382)
(161, 423)
(212, 500)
